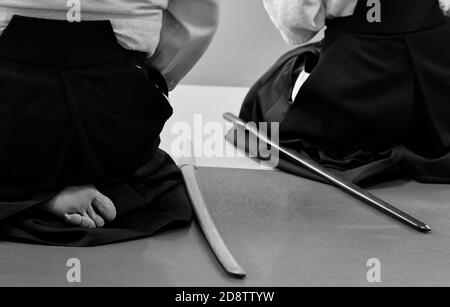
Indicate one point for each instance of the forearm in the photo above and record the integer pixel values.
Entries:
(188, 29)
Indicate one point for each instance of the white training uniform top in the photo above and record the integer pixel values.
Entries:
(175, 33)
(300, 20)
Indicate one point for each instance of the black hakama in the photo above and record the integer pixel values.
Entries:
(377, 101)
(76, 108)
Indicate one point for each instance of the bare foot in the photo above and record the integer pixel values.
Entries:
(82, 206)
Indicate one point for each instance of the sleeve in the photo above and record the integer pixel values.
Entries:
(445, 6)
(341, 8)
(297, 20)
(187, 31)
(300, 20)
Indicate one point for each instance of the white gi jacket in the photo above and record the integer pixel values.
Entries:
(300, 20)
(175, 33)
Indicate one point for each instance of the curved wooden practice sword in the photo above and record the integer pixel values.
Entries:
(336, 180)
(226, 259)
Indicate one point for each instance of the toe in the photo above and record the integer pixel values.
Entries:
(99, 222)
(105, 207)
(87, 222)
(73, 219)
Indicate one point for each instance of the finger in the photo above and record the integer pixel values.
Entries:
(105, 207)
(99, 222)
